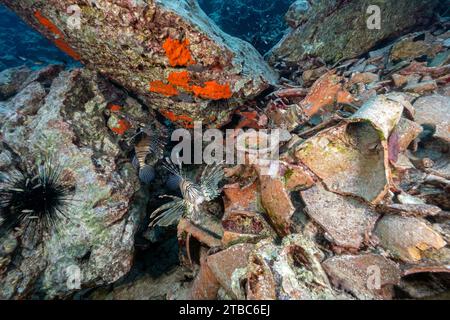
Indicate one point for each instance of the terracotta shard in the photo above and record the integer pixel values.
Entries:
(407, 237)
(277, 203)
(348, 155)
(225, 263)
(434, 110)
(347, 221)
(367, 276)
(416, 210)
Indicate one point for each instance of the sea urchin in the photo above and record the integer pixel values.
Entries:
(33, 198)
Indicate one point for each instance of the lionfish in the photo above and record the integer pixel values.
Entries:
(193, 195)
(152, 142)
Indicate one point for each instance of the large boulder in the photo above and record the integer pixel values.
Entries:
(335, 30)
(168, 52)
(95, 245)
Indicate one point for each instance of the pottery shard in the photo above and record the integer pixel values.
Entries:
(407, 131)
(168, 52)
(277, 202)
(346, 221)
(416, 210)
(205, 285)
(337, 30)
(291, 271)
(407, 237)
(225, 263)
(348, 155)
(296, 177)
(367, 276)
(237, 198)
(326, 91)
(243, 219)
(434, 110)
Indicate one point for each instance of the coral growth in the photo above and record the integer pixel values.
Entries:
(180, 79)
(162, 88)
(178, 52)
(184, 120)
(59, 40)
(214, 91)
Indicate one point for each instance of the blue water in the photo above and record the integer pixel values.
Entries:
(21, 45)
(260, 22)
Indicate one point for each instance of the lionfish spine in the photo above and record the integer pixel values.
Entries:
(191, 191)
(173, 169)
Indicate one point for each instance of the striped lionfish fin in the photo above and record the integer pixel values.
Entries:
(211, 176)
(173, 169)
(142, 149)
(168, 213)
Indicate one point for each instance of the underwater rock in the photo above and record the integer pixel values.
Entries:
(95, 246)
(338, 30)
(11, 80)
(29, 99)
(167, 52)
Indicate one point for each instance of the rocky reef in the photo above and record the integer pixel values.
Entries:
(167, 52)
(338, 30)
(356, 205)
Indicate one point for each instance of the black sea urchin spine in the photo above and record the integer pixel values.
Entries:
(34, 198)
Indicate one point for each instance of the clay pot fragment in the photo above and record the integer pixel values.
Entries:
(348, 155)
(415, 210)
(277, 203)
(367, 276)
(346, 221)
(224, 263)
(407, 238)
(434, 110)
(407, 131)
(205, 285)
(243, 220)
(290, 271)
